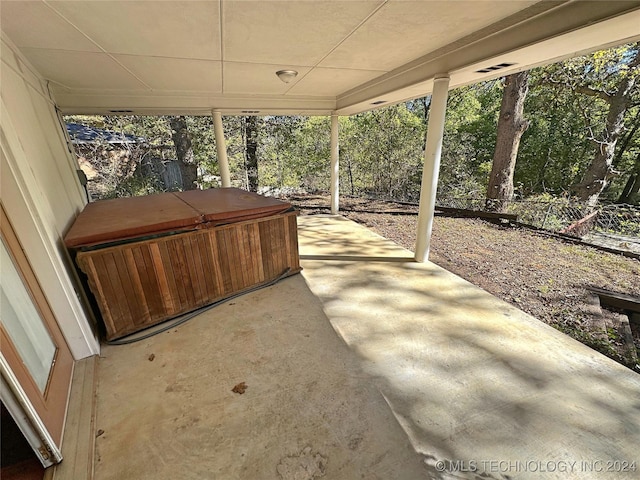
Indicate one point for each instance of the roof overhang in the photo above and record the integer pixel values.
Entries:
(162, 58)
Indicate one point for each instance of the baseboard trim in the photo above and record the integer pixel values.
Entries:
(78, 444)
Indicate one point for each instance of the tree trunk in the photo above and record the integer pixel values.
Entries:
(251, 152)
(630, 195)
(598, 173)
(626, 140)
(511, 126)
(350, 172)
(184, 152)
(632, 187)
(426, 103)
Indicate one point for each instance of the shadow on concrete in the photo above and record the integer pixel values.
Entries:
(166, 406)
(472, 380)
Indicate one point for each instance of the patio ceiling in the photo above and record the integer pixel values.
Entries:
(158, 57)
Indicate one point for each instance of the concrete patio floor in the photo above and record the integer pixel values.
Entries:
(368, 365)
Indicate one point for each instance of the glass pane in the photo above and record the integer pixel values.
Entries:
(23, 323)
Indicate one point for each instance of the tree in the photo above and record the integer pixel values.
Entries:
(627, 160)
(184, 152)
(610, 76)
(511, 126)
(251, 151)
(554, 150)
(294, 152)
(469, 141)
(382, 152)
(631, 191)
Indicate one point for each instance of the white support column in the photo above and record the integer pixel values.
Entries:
(433, 150)
(221, 148)
(335, 166)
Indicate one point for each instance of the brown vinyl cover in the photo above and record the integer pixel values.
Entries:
(107, 221)
(229, 205)
(119, 218)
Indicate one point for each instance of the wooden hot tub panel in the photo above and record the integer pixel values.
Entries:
(143, 283)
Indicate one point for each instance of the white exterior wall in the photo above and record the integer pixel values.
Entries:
(40, 190)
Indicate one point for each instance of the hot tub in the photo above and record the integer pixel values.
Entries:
(149, 259)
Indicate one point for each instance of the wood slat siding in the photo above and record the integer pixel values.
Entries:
(140, 284)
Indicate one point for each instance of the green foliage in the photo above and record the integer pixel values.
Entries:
(134, 186)
(381, 153)
(555, 149)
(294, 152)
(469, 139)
(594, 81)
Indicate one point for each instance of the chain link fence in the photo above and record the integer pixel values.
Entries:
(562, 216)
(621, 219)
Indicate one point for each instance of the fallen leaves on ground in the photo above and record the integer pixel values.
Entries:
(240, 388)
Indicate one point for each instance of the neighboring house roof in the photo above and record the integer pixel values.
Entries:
(81, 134)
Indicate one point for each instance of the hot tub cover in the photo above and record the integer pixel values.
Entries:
(118, 219)
(229, 205)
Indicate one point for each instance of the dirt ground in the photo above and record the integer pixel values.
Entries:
(542, 275)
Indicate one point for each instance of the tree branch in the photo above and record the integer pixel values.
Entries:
(593, 93)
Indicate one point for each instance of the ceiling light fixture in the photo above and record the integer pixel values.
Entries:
(286, 75)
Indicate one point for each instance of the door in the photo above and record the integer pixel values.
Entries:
(31, 342)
